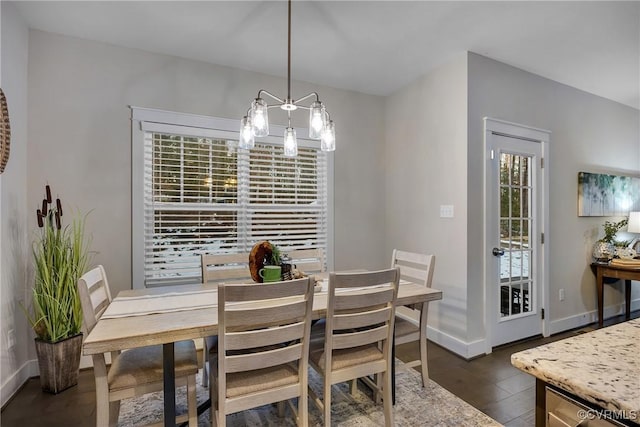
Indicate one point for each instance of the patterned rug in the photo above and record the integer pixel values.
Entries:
(432, 406)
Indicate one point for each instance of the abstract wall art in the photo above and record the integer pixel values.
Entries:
(607, 195)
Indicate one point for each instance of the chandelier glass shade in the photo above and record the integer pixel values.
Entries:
(256, 122)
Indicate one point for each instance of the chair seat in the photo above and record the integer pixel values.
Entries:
(345, 358)
(404, 327)
(144, 365)
(246, 382)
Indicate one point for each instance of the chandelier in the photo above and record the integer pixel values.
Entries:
(256, 122)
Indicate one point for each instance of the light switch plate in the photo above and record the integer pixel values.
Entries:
(446, 211)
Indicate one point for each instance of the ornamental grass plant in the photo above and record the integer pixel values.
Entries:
(61, 256)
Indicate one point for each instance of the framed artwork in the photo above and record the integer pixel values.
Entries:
(607, 195)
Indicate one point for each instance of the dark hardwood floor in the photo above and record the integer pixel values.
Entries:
(489, 383)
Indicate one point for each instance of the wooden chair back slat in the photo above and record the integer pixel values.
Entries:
(263, 338)
(360, 338)
(263, 359)
(217, 267)
(359, 320)
(264, 291)
(276, 313)
(363, 298)
(308, 260)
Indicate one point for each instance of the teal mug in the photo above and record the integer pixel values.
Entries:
(270, 273)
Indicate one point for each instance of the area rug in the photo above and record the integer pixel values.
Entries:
(415, 406)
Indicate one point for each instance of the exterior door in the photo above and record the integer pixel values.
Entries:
(515, 214)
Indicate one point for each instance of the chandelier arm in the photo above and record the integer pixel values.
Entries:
(261, 91)
(308, 96)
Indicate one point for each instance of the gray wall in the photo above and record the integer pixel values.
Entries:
(80, 142)
(14, 212)
(425, 167)
(588, 133)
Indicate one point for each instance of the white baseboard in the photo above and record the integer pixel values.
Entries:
(12, 385)
(28, 370)
(578, 320)
(475, 348)
(462, 348)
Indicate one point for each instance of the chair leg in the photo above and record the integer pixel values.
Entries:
(377, 395)
(205, 374)
(303, 408)
(423, 361)
(280, 406)
(327, 403)
(192, 401)
(113, 414)
(353, 386)
(387, 400)
(213, 396)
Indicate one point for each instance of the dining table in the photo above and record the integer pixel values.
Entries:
(168, 314)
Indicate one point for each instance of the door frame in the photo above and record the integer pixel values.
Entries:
(518, 131)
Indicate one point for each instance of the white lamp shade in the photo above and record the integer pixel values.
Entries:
(290, 143)
(328, 140)
(247, 140)
(634, 222)
(259, 117)
(317, 120)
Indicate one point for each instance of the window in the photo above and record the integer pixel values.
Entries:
(195, 192)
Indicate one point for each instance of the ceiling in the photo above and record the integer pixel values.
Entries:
(375, 47)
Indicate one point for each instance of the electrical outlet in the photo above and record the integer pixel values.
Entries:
(11, 338)
(446, 211)
(561, 295)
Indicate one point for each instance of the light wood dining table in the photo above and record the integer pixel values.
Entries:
(136, 324)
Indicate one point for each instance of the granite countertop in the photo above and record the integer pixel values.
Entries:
(601, 367)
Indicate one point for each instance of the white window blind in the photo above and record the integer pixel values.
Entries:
(203, 195)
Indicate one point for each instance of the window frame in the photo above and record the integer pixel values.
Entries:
(153, 120)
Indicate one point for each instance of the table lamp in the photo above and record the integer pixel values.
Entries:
(634, 227)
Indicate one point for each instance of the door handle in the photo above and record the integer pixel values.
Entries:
(497, 252)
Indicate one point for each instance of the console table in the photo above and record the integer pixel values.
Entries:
(627, 274)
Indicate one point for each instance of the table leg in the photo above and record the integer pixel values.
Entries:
(169, 375)
(600, 287)
(627, 297)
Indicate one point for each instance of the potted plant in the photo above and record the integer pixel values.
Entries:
(60, 256)
(605, 248)
(275, 258)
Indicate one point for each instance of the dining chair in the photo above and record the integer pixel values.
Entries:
(132, 372)
(411, 322)
(308, 260)
(358, 335)
(215, 268)
(263, 348)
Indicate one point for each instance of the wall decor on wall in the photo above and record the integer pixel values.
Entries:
(607, 195)
(5, 132)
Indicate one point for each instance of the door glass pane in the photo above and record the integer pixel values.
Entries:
(515, 225)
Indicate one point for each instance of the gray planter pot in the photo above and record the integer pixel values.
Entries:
(59, 363)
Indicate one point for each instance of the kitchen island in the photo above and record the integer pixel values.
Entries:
(599, 371)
